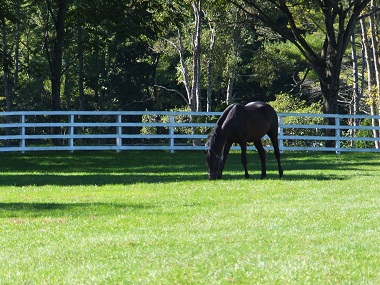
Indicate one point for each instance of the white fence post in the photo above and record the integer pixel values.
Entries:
(281, 132)
(171, 132)
(22, 129)
(337, 134)
(71, 133)
(119, 132)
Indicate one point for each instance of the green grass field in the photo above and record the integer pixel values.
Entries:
(154, 218)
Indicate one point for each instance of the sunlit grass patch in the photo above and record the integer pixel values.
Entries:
(154, 218)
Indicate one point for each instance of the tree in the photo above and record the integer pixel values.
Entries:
(58, 15)
(196, 85)
(107, 54)
(356, 90)
(208, 39)
(372, 61)
(337, 20)
(7, 17)
(5, 61)
(178, 18)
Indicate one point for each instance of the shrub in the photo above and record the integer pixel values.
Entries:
(364, 134)
(285, 103)
(178, 119)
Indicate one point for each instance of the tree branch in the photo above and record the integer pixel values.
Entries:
(298, 84)
(172, 90)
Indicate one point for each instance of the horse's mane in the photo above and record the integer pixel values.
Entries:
(213, 136)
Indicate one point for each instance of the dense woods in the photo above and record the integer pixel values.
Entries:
(197, 55)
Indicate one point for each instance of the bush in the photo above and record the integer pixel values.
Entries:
(285, 103)
(364, 134)
(178, 119)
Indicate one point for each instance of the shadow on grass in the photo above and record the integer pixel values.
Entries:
(94, 179)
(53, 210)
(291, 177)
(103, 168)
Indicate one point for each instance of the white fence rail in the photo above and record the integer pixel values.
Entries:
(98, 130)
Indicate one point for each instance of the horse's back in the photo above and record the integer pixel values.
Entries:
(261, 107)
(260, 111)
(252, 120)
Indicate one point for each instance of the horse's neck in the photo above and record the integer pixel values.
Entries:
(219, 141)
(217, 148)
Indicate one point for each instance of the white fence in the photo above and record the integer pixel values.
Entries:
(98, 130)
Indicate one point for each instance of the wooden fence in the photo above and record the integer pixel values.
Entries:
(149, 130)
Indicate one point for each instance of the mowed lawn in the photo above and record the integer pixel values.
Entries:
(154, 218)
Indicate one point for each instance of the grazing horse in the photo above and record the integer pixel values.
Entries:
(241, 124)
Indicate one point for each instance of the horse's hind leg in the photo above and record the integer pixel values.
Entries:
(261, 151)
(277, 154)
(243, 147)
(274, 140)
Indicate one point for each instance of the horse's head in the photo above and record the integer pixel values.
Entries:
(214, 164)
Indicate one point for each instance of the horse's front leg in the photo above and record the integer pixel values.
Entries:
(226, 151)
(243, 147)
(261, 151)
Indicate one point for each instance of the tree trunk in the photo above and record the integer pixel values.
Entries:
(80, 68)
(329, 82)
(375, 54)
(56, 65)
(375, 44)
(209, 67)
(230, 88)
(55, 59)
(355, 84)
(66, 92)
(354, 108)
(103, 75)
(7, 93)
(195, 98)
(183, 69)
(370, 80)
(209, 87)
(17, 51)
(330, 106)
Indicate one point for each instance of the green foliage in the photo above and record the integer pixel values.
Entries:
(285, 103)
(164, 119)
(277, 60)
(364, 134)
(118, 218)
(131, 47)
(114, 38)
(181, 119)
(275, 63)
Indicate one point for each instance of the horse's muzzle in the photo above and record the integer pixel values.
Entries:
(214, 176)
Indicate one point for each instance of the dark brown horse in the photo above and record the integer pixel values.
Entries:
(241, 124)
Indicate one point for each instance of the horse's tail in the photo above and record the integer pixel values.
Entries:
(273, 135)
(224, 115)
(273, 119)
